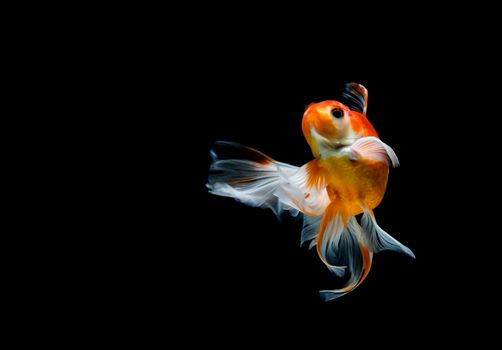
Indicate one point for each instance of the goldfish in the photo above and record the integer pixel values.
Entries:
(346, 179)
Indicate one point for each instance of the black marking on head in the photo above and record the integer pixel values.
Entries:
(355, 97)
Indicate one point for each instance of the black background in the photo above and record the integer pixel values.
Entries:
(135, 249)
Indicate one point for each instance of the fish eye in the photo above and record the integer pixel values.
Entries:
(337, 113)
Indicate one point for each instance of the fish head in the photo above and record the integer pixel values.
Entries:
(332, 123)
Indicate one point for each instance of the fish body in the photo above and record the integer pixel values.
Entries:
(347, 177)
(352, 183)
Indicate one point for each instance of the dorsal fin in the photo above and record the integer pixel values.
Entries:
(355, 96)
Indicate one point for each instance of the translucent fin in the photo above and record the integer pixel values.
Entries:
(251, 180)
(341, 250)
(311, 227)
(304, 189)
(373, 148)
(359, 265)
(377, 239)
(257, 180)
(333, 254)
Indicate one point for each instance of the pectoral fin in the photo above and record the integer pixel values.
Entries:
(372, 148)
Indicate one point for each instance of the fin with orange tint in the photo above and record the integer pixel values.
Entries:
(346, 244)
(247, 175)
(255, 179)
(341, 249)
(304, 190)
(360, 265)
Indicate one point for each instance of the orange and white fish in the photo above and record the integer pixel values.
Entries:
(347, 177)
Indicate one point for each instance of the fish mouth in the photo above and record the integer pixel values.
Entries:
(342, 143)
(338, 146)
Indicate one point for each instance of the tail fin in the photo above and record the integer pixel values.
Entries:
(340, 248)
(344, 246)
(257, 180)
(377, 239)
